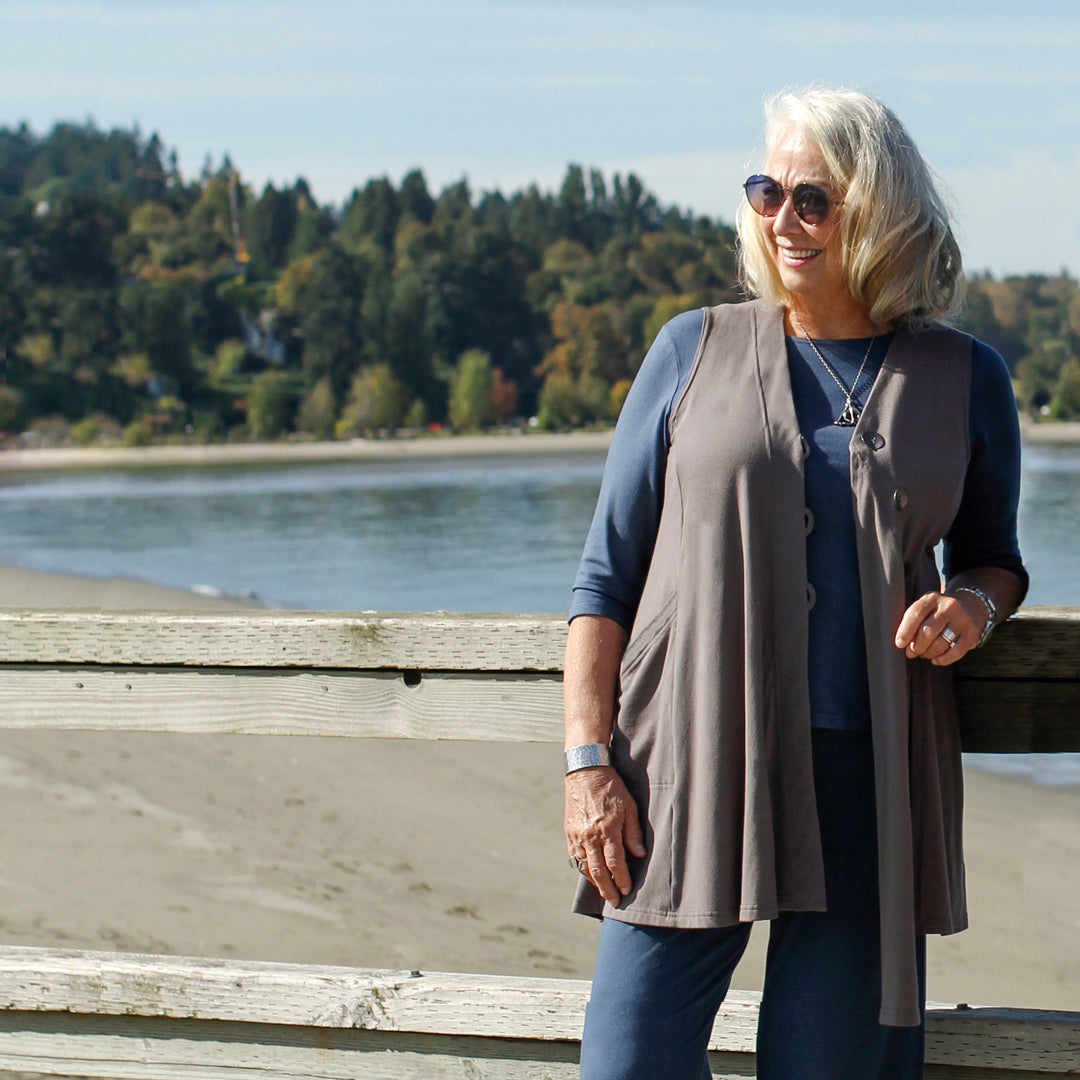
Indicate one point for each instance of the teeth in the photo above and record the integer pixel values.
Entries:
(798, 253)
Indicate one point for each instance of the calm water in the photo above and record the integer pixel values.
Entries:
(477, 535)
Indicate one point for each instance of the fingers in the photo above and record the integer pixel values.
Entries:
(936, 627)
(633, 838)
(914, 618)
(601, 825)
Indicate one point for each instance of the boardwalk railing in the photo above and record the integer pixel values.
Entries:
(76, 1013)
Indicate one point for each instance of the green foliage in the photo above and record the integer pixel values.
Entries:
(271, 223)
(617, 397)
(138, 433)
(318, 410)
(472, 403)
(9, 408)
(560, 406)
(165, 334)
(121, 287)
(228, 360)
(416, 416)
(376, 402)
(86, 430)
(665, 308)
(1037, 374)
(1065, 404)
(1034, 322)
(271, 402)
(323, 299)
(95, 428)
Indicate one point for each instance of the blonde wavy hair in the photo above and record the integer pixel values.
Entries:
(898, 252)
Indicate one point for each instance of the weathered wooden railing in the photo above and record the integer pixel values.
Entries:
(410, 676)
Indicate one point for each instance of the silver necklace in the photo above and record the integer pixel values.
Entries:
(849, 415)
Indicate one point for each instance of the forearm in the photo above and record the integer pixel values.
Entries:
(601, 821)
(594, 648)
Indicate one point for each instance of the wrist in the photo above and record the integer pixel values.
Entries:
(586, 756)
(986, 627)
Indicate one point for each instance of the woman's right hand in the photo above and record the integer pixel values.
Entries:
(601, 825)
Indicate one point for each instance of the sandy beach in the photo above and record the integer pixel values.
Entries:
(410, 855)
(495, 444)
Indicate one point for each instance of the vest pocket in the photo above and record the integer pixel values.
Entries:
(640, 644)
(642, 737)
(643, 752)
(641, 743)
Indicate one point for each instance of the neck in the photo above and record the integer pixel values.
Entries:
(838, 321)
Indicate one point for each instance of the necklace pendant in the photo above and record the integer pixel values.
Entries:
(849, 417)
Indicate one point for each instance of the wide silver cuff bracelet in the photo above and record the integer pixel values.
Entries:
(586, 756)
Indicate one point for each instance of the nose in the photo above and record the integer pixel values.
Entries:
(786, 220)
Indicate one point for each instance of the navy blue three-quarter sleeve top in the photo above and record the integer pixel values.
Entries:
(620, 541)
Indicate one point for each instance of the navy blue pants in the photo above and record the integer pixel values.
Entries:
(656, 990)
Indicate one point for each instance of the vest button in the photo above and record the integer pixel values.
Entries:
(805, 446)
(811, 596)
(899, 499)
(808, 520)
(873, 439)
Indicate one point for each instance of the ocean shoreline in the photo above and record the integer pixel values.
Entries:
(1051, 432)
(219, 455)
(263, 454)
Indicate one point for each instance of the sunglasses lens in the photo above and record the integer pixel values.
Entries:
(764, 194)
(811, 203)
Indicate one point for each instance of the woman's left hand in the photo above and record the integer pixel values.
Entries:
(941, 628)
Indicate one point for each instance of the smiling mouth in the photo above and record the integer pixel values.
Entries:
(799, 253)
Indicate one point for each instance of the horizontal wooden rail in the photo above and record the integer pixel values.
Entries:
(127, 1015)
(428, 676)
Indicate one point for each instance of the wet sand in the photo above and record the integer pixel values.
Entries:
(409, 854)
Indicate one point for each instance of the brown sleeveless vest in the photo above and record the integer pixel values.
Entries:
(713, 728)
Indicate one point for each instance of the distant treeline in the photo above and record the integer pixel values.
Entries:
(135, 304)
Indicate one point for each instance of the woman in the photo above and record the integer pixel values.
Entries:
(759, 712)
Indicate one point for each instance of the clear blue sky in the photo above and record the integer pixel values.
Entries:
(509, 91)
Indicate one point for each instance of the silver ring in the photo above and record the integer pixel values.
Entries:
(950, 636)
(580, 865)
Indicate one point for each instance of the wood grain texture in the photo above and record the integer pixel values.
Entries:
(1039, 644)
(99, 985)
(1040, 1042)
(136, 1048)
(438, 641)
(275, 701)
(467, 676)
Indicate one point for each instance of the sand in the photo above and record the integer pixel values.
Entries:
(411, 855)
(497, 444)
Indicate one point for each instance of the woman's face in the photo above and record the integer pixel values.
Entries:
(807, 257)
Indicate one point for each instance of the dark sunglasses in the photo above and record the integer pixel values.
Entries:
(766, 196)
